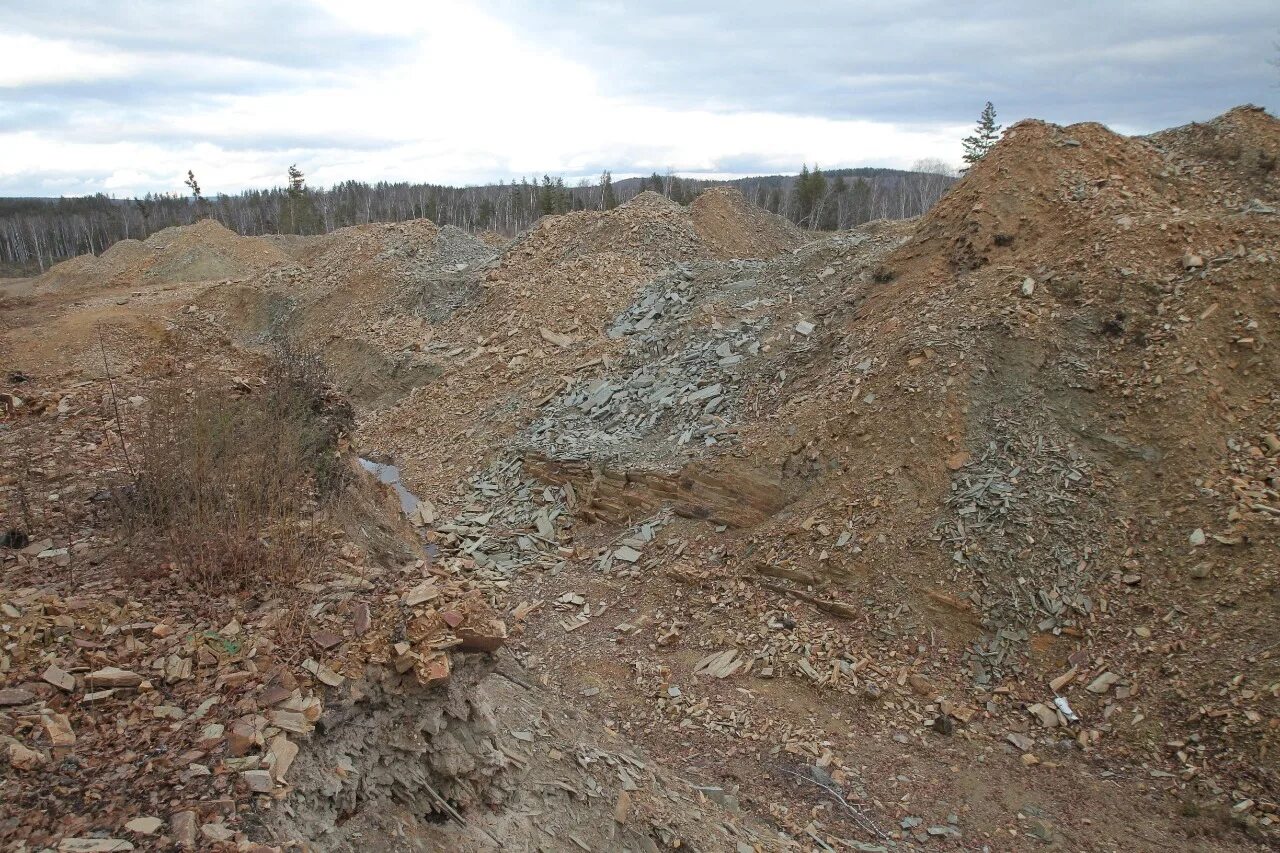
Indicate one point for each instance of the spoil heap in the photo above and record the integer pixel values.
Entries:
(963, 464)
(950, 534)
(734, 228)
(204, 251)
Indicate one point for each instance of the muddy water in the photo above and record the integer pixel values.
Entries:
(390, 475)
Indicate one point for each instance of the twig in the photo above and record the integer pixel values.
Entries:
(115, 405)
(861, 819)
(454, 812)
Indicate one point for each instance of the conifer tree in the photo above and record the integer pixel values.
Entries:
(196, 195)
(985, 135)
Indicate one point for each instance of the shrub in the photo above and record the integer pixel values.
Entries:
(229, 484)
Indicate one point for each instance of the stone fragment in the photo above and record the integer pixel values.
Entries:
(1197, 537)
(326, 639)
(16, 696)
(258, 781)
(921, 685)
(1062, 680)
(283, 752)
(1020, 741)
(1102, 683)
(93, 845)
(360, 619)
(113, 677)
(144, 825)
(421, 593)
(22, 758)
(59, 678)
(557, 338)
(217, 831)
(183, 826)
(58, 728)
(1047, 716)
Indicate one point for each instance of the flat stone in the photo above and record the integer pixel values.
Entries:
(58, 728)
(217, 831)
(144, 825)
(627, 554)
(22, 758)
(59, 678)
(326, 639)
(1021, 741)
(1102, 683)
(183, 826)
(16, 696)
(284, 751)
(705, 393)
(258, 781)
(113, 677)
(1048, 716)
(92, 845)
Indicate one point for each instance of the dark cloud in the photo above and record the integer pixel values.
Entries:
(1139, 64)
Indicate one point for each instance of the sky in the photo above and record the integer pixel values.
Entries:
(125, 97)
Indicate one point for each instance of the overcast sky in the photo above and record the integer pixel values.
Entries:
(124, 97)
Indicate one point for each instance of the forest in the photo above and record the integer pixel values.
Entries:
(38, 232)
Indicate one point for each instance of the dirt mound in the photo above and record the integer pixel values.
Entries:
(945, 533)
(203, 251)
(735, 228)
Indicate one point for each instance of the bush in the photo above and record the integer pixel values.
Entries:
(229, 485)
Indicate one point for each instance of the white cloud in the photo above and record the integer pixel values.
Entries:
(31, 60)
(447, 112)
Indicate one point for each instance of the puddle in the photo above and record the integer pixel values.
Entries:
(390, 475)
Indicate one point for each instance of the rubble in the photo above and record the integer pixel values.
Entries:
(857, 531)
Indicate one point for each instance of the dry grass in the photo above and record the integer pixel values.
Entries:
(228, 485)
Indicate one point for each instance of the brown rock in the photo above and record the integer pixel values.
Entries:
(921, 685)
(360, 620)
(58, 727)
(258, 781)
(144, 825)
(284, 751)
(183, 826)
(432, 669)
(112, 676)
(22, 758)
(241, 738)
(480, 628)
(16, 696)
(59, 678)
(326, 639)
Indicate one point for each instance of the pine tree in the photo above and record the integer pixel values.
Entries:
(985, 135)
(195, 191)
(608, 198)
(809, 191)
(302, 211)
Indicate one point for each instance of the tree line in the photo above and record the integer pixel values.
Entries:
(36, 232)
